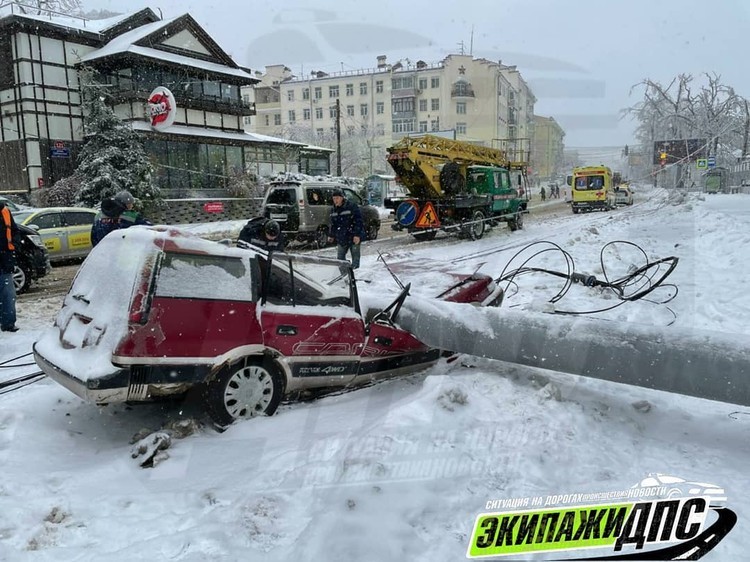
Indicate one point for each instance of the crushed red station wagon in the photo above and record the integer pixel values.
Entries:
(154, 312)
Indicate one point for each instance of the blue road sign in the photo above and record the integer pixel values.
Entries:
(712, 161)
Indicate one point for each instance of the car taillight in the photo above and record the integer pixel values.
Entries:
(140, 304)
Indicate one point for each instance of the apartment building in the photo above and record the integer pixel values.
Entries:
(476, 100)
(547, 148)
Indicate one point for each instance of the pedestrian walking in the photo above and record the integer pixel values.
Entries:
(116, 212)
(263, 233)
(543, 194)
(347, 228)
(8, 230)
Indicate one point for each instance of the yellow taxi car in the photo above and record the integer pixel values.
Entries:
(65, 231)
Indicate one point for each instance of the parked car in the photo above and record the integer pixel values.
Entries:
(32, 258)
(303, 208)
(623, 196)
(12, 205)
(65, 231)
(136, 326)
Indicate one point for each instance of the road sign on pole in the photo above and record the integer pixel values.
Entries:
(712, 161)
(701, 163)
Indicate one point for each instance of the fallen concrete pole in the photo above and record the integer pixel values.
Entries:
(710, 365)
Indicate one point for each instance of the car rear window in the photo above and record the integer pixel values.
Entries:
(199, 276)
(281, 196)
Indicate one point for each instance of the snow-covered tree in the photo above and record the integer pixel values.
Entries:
(53, 7)
(113, 157)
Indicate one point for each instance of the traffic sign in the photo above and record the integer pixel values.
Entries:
(701, 163)
(428, 218)
(712, 161)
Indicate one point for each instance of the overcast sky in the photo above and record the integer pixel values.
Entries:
(581, 57)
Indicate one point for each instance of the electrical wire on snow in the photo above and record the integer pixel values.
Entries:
(20, 382)
(635, 285)
(4, 364)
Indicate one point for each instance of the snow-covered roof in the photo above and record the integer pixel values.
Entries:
(168, 57)
(95, 26)
(212, 133)
(122, 42)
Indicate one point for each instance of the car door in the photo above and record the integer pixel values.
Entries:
(309, 316)
(78, 229)
(51, 228)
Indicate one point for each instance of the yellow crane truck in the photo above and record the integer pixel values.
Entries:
(456, 186)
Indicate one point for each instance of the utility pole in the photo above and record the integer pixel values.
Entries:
(338, 137)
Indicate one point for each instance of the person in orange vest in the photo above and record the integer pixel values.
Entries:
(8, 229)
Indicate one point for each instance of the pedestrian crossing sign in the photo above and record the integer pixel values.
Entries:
(702, 163)
(428, 218)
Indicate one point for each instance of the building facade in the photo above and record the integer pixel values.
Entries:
(547, 149)
(44, 65)
(469, 99)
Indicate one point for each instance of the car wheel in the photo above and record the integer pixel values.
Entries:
(21, 278)
(575, 210)
(244, 390)
(475, 230)
(321, 237)
(516, 223)
(372, 230)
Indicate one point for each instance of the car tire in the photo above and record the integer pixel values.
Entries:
(372, 230)
(475, 230)
(249, 388)
(321, 237)
(21, 278)
(516, 223)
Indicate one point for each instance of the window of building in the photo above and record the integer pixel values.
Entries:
(380, 108)
(435, 104)
(318, 93)
(402, 105)
(363, 88)
(319, 132)
(268, 120)
(277, 118)
(332, 112)
(305, 93)
(422, 105)
(379, 86)
(292, 117)
(461, 107)
(363, 110)
(350, 110)
(461, 128)
(333, 91)
(380, 129)
(435, 83)
(350, 130)
(403, 125)
(246, 120)
(290, 95)
(350, 89)
(422, 84)
(435, 124)
(402, 82)
(306, 114)
(423, 126)
(318, 113)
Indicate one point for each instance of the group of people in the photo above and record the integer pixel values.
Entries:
(117, 212)
(554, 192)
(346, 228)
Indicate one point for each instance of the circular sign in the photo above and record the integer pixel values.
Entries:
(406, 213)
(162, 108)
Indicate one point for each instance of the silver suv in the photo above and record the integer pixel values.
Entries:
(303, 208)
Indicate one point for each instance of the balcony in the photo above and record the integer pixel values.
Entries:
(462, 89)
(404, 93)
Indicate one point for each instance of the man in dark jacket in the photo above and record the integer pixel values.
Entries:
(8, 229)
(117, 212)
(263, 233)
(347, 227)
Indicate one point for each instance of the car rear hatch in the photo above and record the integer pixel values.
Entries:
(111, 287)
(282, 206)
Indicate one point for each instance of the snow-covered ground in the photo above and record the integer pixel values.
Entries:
(397, 471)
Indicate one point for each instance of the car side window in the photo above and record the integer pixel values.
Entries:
(351, 196)
(193, 276)
(315, 197)
(79, 218)
(47, 220)
(291, 287)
